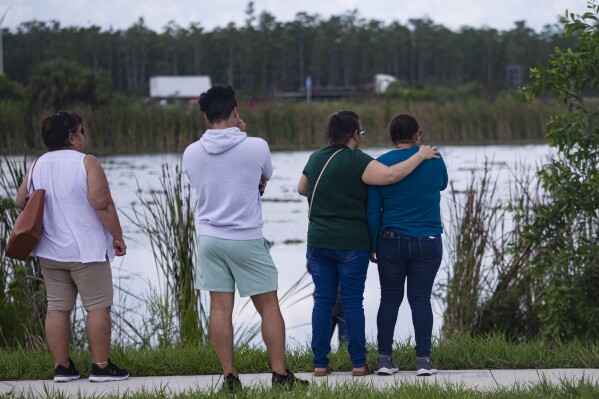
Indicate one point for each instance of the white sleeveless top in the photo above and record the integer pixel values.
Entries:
(72, 231)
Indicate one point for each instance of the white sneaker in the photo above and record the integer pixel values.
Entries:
(386, 366)
(425, 367)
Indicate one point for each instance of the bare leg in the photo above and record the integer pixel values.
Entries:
(221, 329)
(58, 334)
(98, 327)
(273, 329)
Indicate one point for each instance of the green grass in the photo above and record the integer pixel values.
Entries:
(351, 390)
(490, 352)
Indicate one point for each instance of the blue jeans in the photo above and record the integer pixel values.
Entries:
(338, 320)
(347, 270)
(417, 259)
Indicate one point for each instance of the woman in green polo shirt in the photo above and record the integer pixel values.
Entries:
(335, 182)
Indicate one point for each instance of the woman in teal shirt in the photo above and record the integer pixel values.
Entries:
(404, 220)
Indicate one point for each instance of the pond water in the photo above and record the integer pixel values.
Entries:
(285, 223)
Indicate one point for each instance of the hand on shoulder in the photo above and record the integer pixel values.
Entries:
(428, 152)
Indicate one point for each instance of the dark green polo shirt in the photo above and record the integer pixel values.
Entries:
(338, 218)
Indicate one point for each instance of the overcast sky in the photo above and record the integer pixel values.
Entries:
(121, 14)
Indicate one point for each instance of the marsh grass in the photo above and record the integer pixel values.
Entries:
(166, 218)
(22, 292)
(489, 287)
(132, 127)
(474, 218)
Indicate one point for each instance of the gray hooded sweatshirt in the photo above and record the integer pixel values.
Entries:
(225, 168)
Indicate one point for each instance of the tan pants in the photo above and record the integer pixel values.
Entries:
(64, 280)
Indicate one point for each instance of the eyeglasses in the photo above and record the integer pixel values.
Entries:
(362, 132)
(82, 131)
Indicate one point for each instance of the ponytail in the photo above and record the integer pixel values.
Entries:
(341, 126)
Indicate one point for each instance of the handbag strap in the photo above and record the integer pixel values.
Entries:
(317, 180)
(30, 176)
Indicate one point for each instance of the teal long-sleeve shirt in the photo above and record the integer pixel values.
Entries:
(412, 205)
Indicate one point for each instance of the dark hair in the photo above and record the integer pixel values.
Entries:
(56, 129)
(403, 128)
(341, 126)
(218, 103)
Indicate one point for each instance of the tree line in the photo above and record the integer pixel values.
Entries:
(262, 55)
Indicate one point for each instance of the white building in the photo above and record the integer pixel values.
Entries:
(173, 87)
(382, 82)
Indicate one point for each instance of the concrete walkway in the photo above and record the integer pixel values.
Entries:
(479, 379)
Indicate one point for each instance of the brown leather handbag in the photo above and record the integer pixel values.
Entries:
(27, 229)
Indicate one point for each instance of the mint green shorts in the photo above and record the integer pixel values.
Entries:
(220, 264)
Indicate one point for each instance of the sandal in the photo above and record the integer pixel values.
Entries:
(368, 369)
(322, 372)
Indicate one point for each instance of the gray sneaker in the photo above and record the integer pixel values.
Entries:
(425, 367)
(386, 366)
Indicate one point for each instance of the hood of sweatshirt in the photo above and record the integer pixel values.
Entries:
(219, 141)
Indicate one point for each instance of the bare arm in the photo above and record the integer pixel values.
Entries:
(22, 193)
(378, 174)
(302, 186)
(98, 193)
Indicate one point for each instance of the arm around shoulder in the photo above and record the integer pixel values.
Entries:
(378, 174)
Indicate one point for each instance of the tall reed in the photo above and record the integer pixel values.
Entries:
(474, 218)
(489, 287)
(513, 306)
(22, 292)
(126, 126)
(166, 217)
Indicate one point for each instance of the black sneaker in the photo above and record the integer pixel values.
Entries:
(108, 373)
(287, 381)
(231, 384)
(66, 374)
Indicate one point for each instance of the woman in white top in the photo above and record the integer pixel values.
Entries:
(81, 234)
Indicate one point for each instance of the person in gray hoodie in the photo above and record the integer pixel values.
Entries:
(229, 171)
